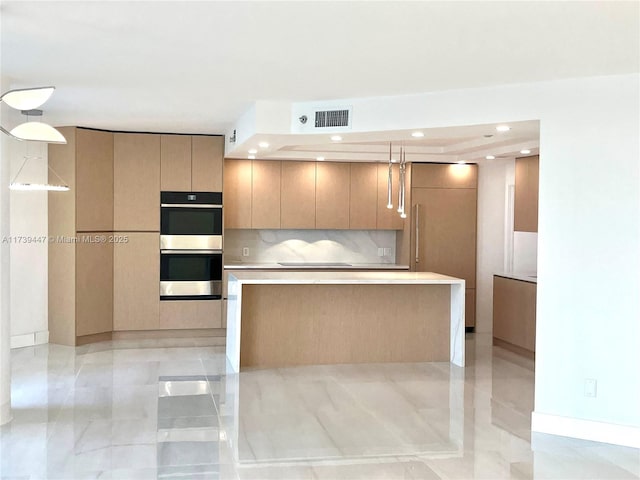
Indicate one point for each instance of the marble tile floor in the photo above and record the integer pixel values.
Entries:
(168, 410)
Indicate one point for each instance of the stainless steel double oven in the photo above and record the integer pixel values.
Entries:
(190, 245)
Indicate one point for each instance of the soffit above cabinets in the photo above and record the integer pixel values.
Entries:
(445, 145)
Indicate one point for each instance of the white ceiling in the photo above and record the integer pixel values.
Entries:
(197, 66)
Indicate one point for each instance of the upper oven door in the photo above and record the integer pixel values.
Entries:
(191, 224)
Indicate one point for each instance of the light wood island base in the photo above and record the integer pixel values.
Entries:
(282, 319)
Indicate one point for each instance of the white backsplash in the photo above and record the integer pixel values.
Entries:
(525, 252)
(273, 246)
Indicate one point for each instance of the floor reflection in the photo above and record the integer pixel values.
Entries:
(154, 409)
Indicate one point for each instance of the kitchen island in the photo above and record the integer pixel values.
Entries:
(277, 319)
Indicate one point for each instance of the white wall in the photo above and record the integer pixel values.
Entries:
(29, 282)
(491, 236)
(589, 230)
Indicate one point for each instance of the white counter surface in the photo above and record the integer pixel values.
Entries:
(333, 278)
(239, 278)
(315, 266)
(523, 276)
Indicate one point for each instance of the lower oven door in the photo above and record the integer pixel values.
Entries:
(190, 275)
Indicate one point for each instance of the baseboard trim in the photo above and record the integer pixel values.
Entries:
(514, 348)
(93, 338)
(625, 435)
(30, 339)
(183, 333)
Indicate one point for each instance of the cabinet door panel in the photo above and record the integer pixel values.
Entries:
(514, 312)
(447, 232)
(175, 163)
(433, 175)
(136, 182)
(206, 163)
(332, 195)
(389, 218)
(136, 267)
(237, 194)
(177, 315)
(298, 195)
(265, 194)
(525, 215)
(363, 197)
(470, 307)
(94, 286)
(94, 180)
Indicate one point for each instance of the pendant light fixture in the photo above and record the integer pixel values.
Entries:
(26, 100)
(389, 181)
(57, 187)
(401, 185)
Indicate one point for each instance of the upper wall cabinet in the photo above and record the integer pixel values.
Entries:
(265, 194)
(207, 153)
(333, 185)
(526, 195)
(136, 182)
(94, 180)
(363, 196)
(191, 163)
(298, 195)
(236, 194)
(274, 194)
(434, 175)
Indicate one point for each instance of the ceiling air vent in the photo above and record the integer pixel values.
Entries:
(332, 118)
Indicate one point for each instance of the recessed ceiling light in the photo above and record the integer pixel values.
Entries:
(490, 157)
(251, 157)
(503, 128)
(320, 159)
(336, 138)
(263, 144)
(417, 134)
(461, 162)
(253, 150)
(525, 151)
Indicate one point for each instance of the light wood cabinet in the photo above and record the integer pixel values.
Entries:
(265, 194)
(136, 282)
(175, 163)
(444, 224)
(191, 163)
(175, 314)
(333, 185)
(94, 284)
(389, 218)
(298, 195)
(237, 194)
(94, 180)
(363, 196)
(446, 231)
(136, 182)
(207, 153)
(526, 195)
(437, 175)
(514, 314)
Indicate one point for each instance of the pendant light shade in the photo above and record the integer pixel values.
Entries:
(37, 132)
(38, 187)
(27, 98)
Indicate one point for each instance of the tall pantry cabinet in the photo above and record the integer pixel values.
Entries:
(104, 257)
(443, 224)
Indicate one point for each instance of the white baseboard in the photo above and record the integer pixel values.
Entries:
(30, 339)
(626, 435)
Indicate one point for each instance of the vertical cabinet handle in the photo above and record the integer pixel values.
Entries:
(417, 233)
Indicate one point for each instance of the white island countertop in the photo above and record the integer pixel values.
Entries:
(333, 278)
(246, 277)
(314, 266)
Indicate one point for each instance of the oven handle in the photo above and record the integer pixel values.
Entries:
(190, 205)
(187, 252)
